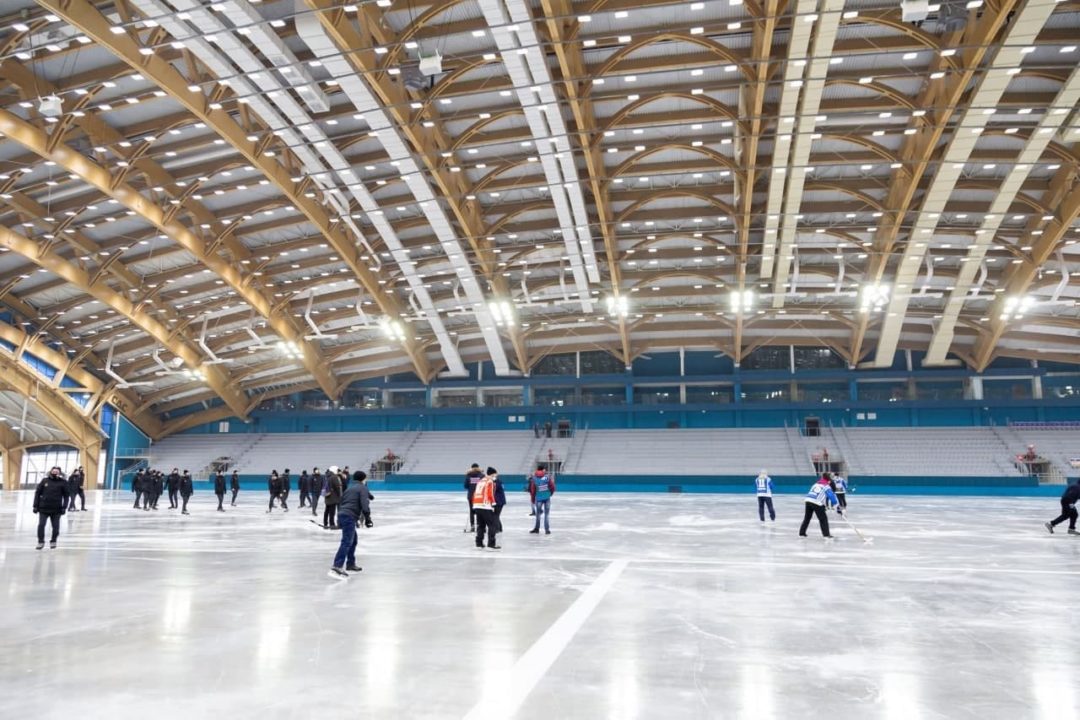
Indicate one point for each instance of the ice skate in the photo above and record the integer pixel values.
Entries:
(337, 573)
(1074, 531)
(535, 532)
(1049, 528)
(52, 545)
(353, 568)
(40, 545)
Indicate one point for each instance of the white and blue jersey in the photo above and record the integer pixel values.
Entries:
(841, 484)
(763, 484)
(821, 494)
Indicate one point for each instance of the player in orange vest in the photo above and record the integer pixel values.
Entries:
(483, 503)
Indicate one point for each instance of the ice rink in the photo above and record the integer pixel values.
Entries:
(636, 606)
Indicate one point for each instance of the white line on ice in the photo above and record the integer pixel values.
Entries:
(505, 695)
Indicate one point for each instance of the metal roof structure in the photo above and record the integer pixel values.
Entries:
(233, 200)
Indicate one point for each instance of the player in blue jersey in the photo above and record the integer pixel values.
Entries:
(840, 488)
(818, 499)
(763, 486)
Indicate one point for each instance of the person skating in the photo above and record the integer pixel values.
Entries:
(75, 489)
(219, 489)
(500, 503)
(158, 488)
(318, 490)
(332, 488)
(365, 497)
(286, 481)
(1069, 498)
(819, 497)
(187, 488)
(541, 488)
(274, 485)
(472, 477)
(137, 487)
(173, 486)
(234, 485)
(50, 503)
(483, 501)
(763, 485)
(841, 489)
(350, 510)
(305, 487)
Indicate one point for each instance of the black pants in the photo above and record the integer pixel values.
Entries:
(54, 518)
(762, 503)
(282, 498)
(1067, 513)
(138, 496)
(328, 515)
(842, 499)
(485, 522)
(472, 513)
(498, 518)
(303, 498)
(235, 492)
(185, 499)
(173, 495)
(315, 504)
(220, 500)
(813, 509)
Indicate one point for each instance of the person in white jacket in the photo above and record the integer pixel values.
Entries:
(763, 485)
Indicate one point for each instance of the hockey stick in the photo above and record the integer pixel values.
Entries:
(852, 526)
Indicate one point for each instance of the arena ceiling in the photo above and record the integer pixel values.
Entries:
(234, 200)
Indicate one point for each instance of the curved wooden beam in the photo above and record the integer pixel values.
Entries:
(635, 159)
(709, 102)
(611, 64)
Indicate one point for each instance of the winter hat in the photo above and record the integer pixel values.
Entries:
(492, 471)
(359, 476)
(474, 466)
(332, 469)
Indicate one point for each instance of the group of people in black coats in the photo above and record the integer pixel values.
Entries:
(150, 485)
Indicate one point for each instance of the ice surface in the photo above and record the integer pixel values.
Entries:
(961, 608)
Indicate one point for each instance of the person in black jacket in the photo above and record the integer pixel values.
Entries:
(316, 490)
(50, 502)
(75, 489)
(350, 510)
(274, 485)
(286, 481)
(234, 484)
(1069, 498)
(137, 487)
(219, 489)
(471, 478)
(186, 490)
(159, 487)
(305, 487)
(173, 486)
(333, 498)
(365, 498)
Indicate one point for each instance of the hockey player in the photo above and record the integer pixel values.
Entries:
(234, 485)
(50, 502)
(483, 501)
(219, 489)
(1068, 509)
(818, 498)
(274, 486)
(541, 488)
(763, 485)
(172, 484)
(332, 499)
(472, 477)
(841, 489)
(186, 490)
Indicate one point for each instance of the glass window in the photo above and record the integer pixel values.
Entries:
(1061, 387)
(554, 396)
(884, 391)
(1014, 389)
(565, 364)
(824, 393)
(39, 461)
(408, 399)
(455, 398)
(939, 389)
(776, 357)
(361, 399)
(710, 394)
(656, 396)
(766, 392)
(810, 358)
(504, 398)
(278, 404)
(599, 362)
(314, 400)
(614, 395)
